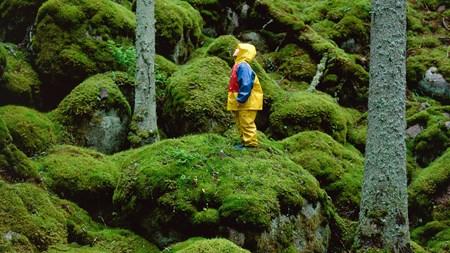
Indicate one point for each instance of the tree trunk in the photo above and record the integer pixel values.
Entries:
(383, 219)
(144, 128)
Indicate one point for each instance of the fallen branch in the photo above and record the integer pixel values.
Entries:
(445, 24)
(320, 69)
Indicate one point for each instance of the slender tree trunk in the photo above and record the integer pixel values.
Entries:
(144, 126)
(383, 219)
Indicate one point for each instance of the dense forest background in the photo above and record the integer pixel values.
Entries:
(71, 181)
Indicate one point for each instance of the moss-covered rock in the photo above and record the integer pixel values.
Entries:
(434, 138)
(3, 54)
(216, 245)
(434, 236)
(302, 111)
(19, 84)
(16, 19)
(357, 133)
(338, 168)
(75, 35)
(27, 210)
(14, 164)
(32, 132)
(96, 114)
(82, 175)
(428, 191)
(196, 98)
(258, 194)
(223, 47)
(295, 64)
(179, 29)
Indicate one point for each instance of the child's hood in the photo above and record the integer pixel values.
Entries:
(247, 53)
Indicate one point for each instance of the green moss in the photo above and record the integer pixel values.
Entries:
(97, 93)
(425, 57)
(14, 164)
(338, 168)
(357, 132)
(32, 131)
(27, 210)
(304, 111)
(74, 35)
(196, 98)
(20, 83)
(426, 186)
(3, 55)
(223, 47)
(196, 172)
(195, 245)
(295, 63)
(435, 137)
(83, 175)
(179, 29)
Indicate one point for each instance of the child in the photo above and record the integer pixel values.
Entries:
(245, 95)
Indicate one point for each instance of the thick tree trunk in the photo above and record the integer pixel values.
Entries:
(145, 118)
(383, 220)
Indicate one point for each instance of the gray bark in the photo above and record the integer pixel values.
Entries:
(383, 219)
(145, 93)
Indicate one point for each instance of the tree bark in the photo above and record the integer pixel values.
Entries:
(383, 219)
(145, 117)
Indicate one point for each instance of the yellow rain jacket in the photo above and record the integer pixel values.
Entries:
(244, 83)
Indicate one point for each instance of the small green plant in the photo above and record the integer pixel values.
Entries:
(124, 55)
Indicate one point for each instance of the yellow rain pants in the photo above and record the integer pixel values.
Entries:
(245, 122)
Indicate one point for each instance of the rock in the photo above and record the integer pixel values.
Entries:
(414, 130)
(435, 85)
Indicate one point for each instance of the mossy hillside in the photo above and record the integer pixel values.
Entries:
(427, 190)
(338, 168)
(195, 245)
(97, 93)
(302, 111)
(196, 98)
(179, 29)
(19, 84)
(16, 16)
(32, 132)
(435, 138)
(178, 181)
(28, 211)
(82, 175)
(351, 84)
(74, 35)
(434, 236)
(14, 164)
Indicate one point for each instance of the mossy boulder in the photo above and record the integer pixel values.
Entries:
(196, 98)
(303, 111)
(14, 164)
(338, 168)
(434, 138)
(17, 18)
(19, 84)
(32, 132)
(434, 236)
(179, 29)
(223, 47)
(27, 211)
(82, 175)
(3, 54)
(82, 36)
(357, 132)
(198, 244)
(96, 114)
(200, 186)
(295, 64)
(87, 236)
(428, 192)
